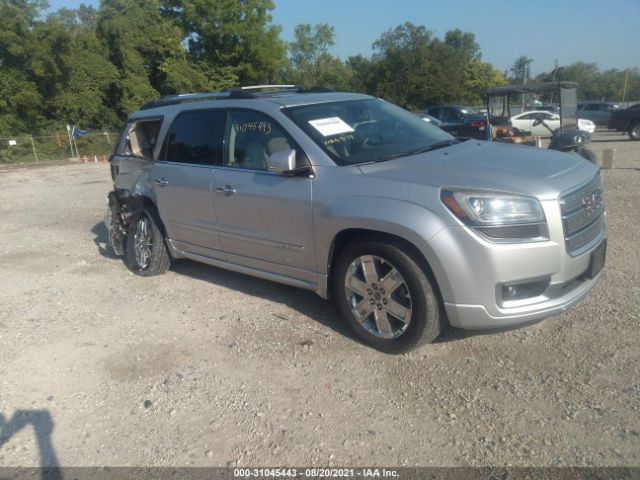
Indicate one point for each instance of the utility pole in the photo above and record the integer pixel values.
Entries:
(624, 89)
(555, 71)
(524, 82)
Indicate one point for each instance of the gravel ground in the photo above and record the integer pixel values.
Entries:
(206, 367)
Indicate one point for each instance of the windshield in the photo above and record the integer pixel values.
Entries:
(371, 130)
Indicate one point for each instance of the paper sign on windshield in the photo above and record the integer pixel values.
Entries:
(331, 126)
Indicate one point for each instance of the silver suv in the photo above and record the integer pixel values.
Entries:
(406, 228)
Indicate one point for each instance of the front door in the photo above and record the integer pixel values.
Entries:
(264, 219)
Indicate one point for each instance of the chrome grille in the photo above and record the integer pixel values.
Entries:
(582, 215)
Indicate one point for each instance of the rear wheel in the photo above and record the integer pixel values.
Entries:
(385, 297)
(634, 131)
(146, 253)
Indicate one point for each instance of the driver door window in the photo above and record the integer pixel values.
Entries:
(251, 137)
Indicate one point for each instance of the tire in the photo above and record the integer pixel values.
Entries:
(156, 261)
(634, 131)
(588, 155)
(411, 295)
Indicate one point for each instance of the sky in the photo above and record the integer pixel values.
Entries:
(606, 32)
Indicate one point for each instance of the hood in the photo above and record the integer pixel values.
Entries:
(490, 165)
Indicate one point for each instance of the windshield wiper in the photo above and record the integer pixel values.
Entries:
(434, 146)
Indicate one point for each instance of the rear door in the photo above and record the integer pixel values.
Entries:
(134, 156)
(182, 180)
(264, 219)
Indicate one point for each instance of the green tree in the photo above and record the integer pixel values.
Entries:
(360, 71)
(403, 65)
(20, 98)
(521, 70)
(414, 69)
(596, 85)
(311, 63)
(147, 50)
(464, 43)
(478, 77)
(231, 40)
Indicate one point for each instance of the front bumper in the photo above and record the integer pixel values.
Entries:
(471, 273)
(477, 317)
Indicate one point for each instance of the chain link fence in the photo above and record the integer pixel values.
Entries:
(58, 147)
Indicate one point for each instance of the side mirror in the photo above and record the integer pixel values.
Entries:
(282, 162)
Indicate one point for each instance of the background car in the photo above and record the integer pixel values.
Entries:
(429, 119)
(548, 108)
(596, 111)
(627, 121)
(524, 121)
(460, 121)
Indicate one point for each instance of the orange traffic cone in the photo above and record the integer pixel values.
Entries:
(95, 159)
(85, 159)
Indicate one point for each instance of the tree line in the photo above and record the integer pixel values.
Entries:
(93, 66)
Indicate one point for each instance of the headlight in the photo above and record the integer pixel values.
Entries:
(498, 216)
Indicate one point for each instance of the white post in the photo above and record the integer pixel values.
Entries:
(70, 142)
(75, 144)
(33, 146)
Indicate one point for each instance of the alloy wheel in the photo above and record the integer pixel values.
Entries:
(143, 243)
(378, 296)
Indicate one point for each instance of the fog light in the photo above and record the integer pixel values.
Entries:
(510, 291)
(522, 290)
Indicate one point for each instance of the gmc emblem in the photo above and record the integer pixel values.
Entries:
(592, 201)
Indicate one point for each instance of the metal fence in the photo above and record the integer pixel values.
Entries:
(57, 147)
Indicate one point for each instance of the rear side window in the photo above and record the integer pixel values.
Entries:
(197, 138)
(139, 138)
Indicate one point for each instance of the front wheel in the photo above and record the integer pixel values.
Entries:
(146, 253)
(634, 132)
(385, 297)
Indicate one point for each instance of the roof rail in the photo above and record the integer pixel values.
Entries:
(253, 91)
(183, 98)
(260, 87)
(247, 92)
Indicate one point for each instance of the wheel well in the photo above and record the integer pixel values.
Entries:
(135, 203)
(345, 237)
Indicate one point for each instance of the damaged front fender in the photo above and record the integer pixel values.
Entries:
(113, 221)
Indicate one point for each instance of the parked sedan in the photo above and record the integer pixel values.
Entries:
(596, 111)
(460, 121)
(524, 121)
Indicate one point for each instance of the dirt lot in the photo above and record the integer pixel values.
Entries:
(206, 367)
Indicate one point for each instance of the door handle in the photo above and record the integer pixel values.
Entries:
(161, 181)
(226, 190)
